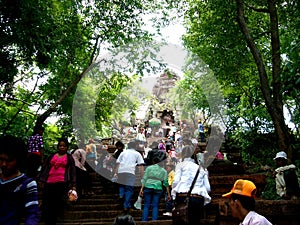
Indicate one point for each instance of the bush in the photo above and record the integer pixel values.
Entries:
(269, 191)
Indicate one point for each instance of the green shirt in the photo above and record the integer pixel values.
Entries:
(154, 176)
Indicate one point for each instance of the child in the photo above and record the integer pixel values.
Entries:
(19, 196)
(169, 202)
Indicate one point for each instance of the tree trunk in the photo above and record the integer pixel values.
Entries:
(272, 95)
(42, 118)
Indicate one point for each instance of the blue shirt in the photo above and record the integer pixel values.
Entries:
(200, 128)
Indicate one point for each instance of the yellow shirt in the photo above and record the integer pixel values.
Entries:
(171, 176)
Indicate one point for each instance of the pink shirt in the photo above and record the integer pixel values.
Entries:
(58, 169)
(220, 156)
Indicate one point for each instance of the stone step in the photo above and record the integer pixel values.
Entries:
(103, 206)
(157, 222)
(96, 222)
(104, 214)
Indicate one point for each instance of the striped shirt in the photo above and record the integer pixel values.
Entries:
(18, 200)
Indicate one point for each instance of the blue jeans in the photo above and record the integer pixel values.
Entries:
(201, 135)
(126, 189)
(151, 197)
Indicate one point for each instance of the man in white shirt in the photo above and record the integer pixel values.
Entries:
(242, 203)
(125, 173)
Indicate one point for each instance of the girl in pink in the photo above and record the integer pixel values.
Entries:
(59, 176)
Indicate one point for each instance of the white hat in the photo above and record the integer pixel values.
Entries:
(281, 154)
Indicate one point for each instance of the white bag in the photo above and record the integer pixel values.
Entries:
(138, 203)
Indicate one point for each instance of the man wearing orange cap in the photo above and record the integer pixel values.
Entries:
(242, 203)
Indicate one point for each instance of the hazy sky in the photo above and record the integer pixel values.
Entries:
(172, 33)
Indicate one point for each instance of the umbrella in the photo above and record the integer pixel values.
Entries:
(154, 122)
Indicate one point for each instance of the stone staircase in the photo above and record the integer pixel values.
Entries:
(102, 207)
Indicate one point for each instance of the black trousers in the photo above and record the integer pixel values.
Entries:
(53, 202)
(196, 208)
(83, 181)
(34, 161)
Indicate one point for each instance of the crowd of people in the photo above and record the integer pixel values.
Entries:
(164, 169)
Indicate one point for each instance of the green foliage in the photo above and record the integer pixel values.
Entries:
(256, 148)
(213, 34)
(102, 102)
(269, 191)
(110, 104)
(47, 46)
(188, 95)
(16, 116)
(51, 135)
(254, 99)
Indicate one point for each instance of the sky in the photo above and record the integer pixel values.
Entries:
(171, 33)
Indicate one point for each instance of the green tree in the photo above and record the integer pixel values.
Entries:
(241, 42)
(52, 44)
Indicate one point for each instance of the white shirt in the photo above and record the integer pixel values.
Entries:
(128, 160)
(254, 218)
(279, 179)
(140, 137)
(184, 175)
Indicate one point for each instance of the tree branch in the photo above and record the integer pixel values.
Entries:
(263, 10)
(10, 122)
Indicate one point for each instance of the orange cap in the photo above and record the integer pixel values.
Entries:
(242, 187)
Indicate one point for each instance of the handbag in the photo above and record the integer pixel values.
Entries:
(72, 196)
(180, 214)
